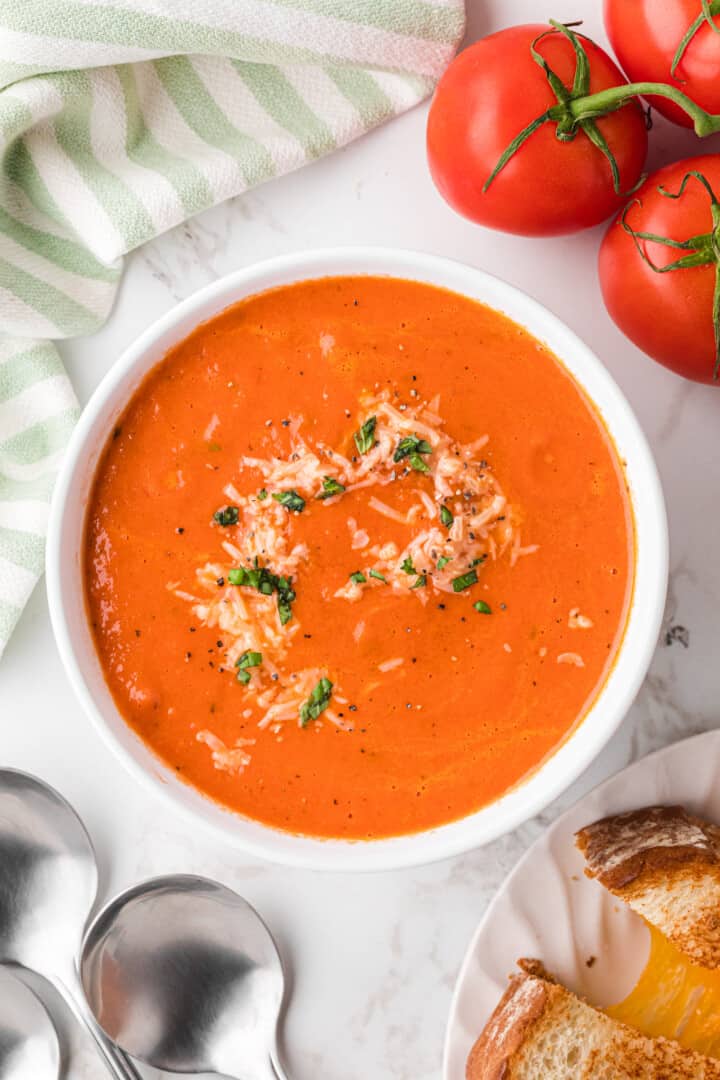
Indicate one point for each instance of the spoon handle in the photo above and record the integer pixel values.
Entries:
(277, 1069)
(117, 1062)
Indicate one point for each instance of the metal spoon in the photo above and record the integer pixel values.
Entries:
(48, 885)
(28, 1040)
(183, 974)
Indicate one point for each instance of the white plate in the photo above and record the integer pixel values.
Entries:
(548, 909)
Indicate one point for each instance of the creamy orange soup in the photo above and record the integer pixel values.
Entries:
(358, 557)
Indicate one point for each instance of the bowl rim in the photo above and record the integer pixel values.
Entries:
(534, 793)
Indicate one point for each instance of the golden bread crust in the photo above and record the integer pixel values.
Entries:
(522, 1004)
(622, 848)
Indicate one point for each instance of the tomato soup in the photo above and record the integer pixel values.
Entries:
(358, 557)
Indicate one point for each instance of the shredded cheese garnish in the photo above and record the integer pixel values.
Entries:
(571, 658)
(390, 665)
(576, 621)
(459, 519)
(228, 759)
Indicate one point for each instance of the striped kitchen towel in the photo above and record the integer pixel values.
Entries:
(121, 118)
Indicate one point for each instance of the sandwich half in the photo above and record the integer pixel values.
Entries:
(541, 1031)
(665, 864)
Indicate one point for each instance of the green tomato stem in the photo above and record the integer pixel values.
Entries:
(577, 109)
(703, 250)
(709, 10)
(592, 106)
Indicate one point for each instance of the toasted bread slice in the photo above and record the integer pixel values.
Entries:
(541, 1031)
(664, 864)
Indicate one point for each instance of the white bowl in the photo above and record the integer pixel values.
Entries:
(65, 586)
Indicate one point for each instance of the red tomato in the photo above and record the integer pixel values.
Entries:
(487, 96)
(645, 35)
(669, 316)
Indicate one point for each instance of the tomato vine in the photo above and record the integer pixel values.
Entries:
(704, 249)
(710, 8)
(577, 109)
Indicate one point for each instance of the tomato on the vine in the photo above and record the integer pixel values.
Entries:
(660, 268)
(676, 40)
(561, 179)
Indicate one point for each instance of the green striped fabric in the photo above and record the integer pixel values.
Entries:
(121, 118)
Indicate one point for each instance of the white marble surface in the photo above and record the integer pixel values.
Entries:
(373, 958)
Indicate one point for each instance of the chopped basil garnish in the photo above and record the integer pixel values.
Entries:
(418, 464)
(249, 659)
(237, 576)
(443, 561)
(482, 607)
(259, 577)
(290, 500)
(267, 583)
(286, 596)
(407, 566)
(228, 515)
(262, 494)
(330, 487)
(410, 446)
(420, 583)
(446, 517)
(365, 436)
(374, 573)
(479, 561)
(358, 577)
(464, 581)
(317, 702)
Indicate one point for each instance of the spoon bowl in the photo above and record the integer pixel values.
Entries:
(49, 880)
(48, 885)
(183, 974)
(28, 1040)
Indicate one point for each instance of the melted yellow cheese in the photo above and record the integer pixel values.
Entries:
(674, 998)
